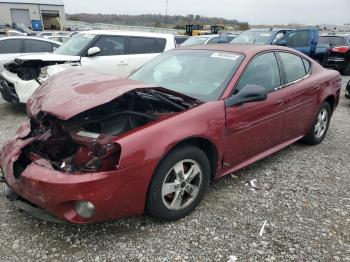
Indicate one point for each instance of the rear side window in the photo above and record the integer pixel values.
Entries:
(11, 46)
(143, 45)
(111, 45)
(293, 65)
(333, 40)
(161, 43)
(298, 39)
(36, 46)
(214, 40)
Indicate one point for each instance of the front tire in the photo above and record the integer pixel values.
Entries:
(179, 183)
(320, 126)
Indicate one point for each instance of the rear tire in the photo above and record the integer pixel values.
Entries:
(320, 126)
(179, 183)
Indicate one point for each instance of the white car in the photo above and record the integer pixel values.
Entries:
(61, 39)
(110, 52)
(207, 39)
(47, 34)
(12, 47)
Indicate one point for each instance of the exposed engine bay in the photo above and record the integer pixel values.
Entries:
(29, 70)
(84, 143)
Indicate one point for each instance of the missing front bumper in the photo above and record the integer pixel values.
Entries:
(8, 92)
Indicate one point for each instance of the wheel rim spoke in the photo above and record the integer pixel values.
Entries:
(176, 203)
(192, 173)
(179, 170)
(169, 188)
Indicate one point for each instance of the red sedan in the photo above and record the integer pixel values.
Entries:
(98, 148)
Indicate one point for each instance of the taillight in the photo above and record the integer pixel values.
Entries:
(340, 49)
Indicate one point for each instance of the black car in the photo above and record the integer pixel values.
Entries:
(347, 91)
(339, 57)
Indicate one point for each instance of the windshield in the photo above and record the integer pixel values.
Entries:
(332, 40)
(75, 45)
(198, 40)
(253, 37)
(200, 74)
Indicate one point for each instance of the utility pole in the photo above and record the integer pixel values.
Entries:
(166, 7)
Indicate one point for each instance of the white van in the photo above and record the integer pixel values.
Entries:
(110, 52)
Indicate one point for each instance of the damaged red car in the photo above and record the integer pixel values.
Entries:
(98, 148)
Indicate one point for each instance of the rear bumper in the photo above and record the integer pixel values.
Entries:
(337, 63)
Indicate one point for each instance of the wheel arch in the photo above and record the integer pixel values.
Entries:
(331, 100)
(204, 143)
(208, 147)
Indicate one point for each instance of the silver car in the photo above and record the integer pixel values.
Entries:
(14, 46)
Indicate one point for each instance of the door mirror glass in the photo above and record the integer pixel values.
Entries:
(249, 93)
(93, 51)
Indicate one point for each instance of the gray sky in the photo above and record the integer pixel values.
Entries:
(252, 11)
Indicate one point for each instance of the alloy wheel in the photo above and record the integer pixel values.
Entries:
(322, 123)
(182, 184)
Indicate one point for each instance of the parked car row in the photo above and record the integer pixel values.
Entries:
(109, 52)
(99, 147)
(209, 39)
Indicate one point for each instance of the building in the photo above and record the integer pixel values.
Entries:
(35, 14)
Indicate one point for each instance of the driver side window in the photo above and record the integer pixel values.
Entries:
(262, 71)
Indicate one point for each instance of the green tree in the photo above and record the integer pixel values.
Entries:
(243, 26)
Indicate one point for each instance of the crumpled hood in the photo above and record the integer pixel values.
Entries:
(49, 57)
(75, 91)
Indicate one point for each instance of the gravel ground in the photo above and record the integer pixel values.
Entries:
(305, 200)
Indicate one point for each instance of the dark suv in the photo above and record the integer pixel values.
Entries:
(339, 57)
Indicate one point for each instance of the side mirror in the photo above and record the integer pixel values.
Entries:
(249, 93)
(93, 51)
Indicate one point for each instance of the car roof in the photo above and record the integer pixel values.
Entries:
(268, 29)
(246, 49)
(30, 37)
(126, 33)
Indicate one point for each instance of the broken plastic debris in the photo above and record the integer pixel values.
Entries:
(263, 228)
(232, 259)
(253, 184)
